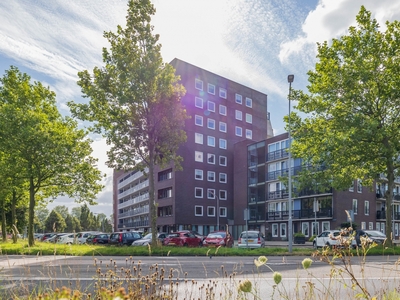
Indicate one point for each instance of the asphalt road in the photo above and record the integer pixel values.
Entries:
(20, 275)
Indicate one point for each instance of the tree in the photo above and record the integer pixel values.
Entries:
(55, 222)
(352, 110)
(135, 100)
(41, 214)
(62, 210)
(52, 155)
(76, 212)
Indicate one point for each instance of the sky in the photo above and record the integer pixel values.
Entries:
(257, 43)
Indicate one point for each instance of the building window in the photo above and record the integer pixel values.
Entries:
(366, 208)
(165, 193)
(222, 126)
(165, 175)
(249, 118)
(165, 211)
(355, 206)
(222, 177)
(211, 106)
(222, 195)
(238, 131)
(211, 89)
(305, 229)
(198, 174)
(351, 188)
(211, 158)
(222, 110)
(222, 161)
(198, 102)
(199, 84)
(198, 210)
(275, 230)
(210, 175)
(371, 225)
(363, 225)
(211, 123)
(283, 229)
(211, 141)
(198, 192)
(198, 156)
(223, 212)
(249, 102)
(198, 138)
(211, 211)
(238, 115)
(210, 193)
(222, 93)
(359, 186)
(222, 143)
(238, 99)
(326, 226)
(198, 120)
(249, 134)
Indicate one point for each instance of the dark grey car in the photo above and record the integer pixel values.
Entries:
(124, 238)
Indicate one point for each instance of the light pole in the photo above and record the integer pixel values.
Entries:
(216, 196)
(290, 80)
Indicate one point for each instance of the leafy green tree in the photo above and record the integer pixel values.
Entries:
(62, 210)
(41, 214)
(52, 155)
(76, 212)
(135, 99)
(55, 222)
(351, 128)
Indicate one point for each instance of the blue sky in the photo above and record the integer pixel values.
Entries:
(253, 42)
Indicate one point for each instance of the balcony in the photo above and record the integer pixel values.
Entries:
(281, 194)
(134, 212)
(278, 154)
(299, 214)
(137, 224)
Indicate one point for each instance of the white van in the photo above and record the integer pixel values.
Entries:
(82, 236)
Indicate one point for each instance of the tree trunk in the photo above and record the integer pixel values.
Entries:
(152, 205)
(14, 217)
(31, 212)
(389, 206)
(3, 221)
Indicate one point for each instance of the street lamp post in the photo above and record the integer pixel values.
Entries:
(216, 196)
(290, 233)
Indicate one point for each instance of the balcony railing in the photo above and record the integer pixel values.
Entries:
(278, 154)
(137, 224)
(134, 212)
(381, 215)
(281, 194)
(299, 214)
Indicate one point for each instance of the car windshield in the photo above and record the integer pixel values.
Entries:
(251, 235)
(216, 235)
(148, 236)
(375, 233)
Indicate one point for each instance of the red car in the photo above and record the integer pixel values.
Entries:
(182, 238)
(218, 238)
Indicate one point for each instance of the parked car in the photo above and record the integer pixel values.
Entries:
(54, 238)
(146, 240)
(38, 236)
(218, 238)
(68, 238)
(251, 239)
(82, 236)
(124, 238)
(330, 238)
(99, 238)
(200, 236)
(183, 238)
(371, 236)
(47, 236)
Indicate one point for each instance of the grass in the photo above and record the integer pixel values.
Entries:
(128, 282)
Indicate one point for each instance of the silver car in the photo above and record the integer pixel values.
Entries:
(146, 240)
(251, 239)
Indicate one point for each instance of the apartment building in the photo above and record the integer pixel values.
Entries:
(200, 197)
(312, 212)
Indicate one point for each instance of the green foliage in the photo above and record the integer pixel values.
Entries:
(135, 99)
(299, 234)
(352, 108)
(55, 222)
(46, 151)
